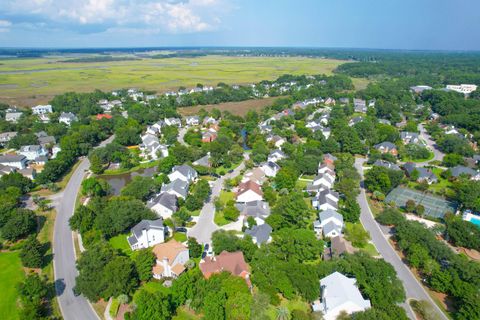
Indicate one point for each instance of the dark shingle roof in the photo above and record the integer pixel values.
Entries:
(261, 232)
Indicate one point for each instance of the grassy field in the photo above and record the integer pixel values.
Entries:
(120, 242)
(11, 274)
(29, 81)
(237, 108)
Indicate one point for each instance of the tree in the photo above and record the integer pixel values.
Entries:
(22, 223)
(96, 165)
(351, 211)
(282, 313)
(420, 210)
(410, 205)
(181, 217)
(290, 211)
(156, 305)
(33, 288)
(32, 253)
(144, 262)
(297, 244)
(452, 160)
(286, 178)
(357, 235)
(230, 212)
(95, 187)
(195, 249)
(213, 306)
(120, 277)
(140, 188)
(83, 219)
(16, 179)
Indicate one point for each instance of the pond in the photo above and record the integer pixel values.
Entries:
(118, 181)
(244, 136)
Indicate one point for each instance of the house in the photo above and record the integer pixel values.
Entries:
(344, 101)
(32, 152)
(384, 121)
(265, 128)
(371, 103)
(320, 182)
(386, 164)
(276, 155)
(183, 172)
(387, 147)
(5, 137)
(29, 173)
(68, 118)
(270, 168)
(152, 148)
(326, 168)
(192, 120)
(4, 170)
(260, 234)
(256, 175)
(359, 105)
(410, 137)
(331, 223)
(209, 136)
(458, 171)
(329, 159)
(338, 246)
(44, 139)
(13, 116)
(158, 125)
(355, 120)
(249, 191)
(147, 233)
(325, 131)
(329, 101)
(424, 174)
(153, 130)
(419, 89)
(41, 161)
(55, 150)
(42, 109)
(232, 262)
(209, 121)
(170, 259)
(101, 116)
(203, 161)
(276, 140)
(163, 204)
(15, 161)
(176, 187)
(173, 122)
(326, 199)
(259, 210)
(339, 294)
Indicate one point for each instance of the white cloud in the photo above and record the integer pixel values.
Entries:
(161, 16)
(4, 25)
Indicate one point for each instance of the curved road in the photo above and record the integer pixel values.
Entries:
(413, 289)
(438, 155)
(72, 307)
(205, 225)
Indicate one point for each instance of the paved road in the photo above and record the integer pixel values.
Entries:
(72, 307)
(438, 155)
(181, 134)
(205, 226)
(413, 288)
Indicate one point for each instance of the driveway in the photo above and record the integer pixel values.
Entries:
(72, 307)
(438, 155)
(205, 226)
(413, 288)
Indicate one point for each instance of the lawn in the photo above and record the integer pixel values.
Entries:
(120, 242)
(184, 314)
(238, 108)
(291, 305)
(11, 273)
(431, 155)
(152, 287)
(180, 237)
(36, 80)
(224, 197)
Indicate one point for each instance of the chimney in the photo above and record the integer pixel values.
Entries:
(145, 237)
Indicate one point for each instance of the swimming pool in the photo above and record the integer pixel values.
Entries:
(468, 216)
(475, 220)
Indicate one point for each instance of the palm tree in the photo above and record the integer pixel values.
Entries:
(282, 313)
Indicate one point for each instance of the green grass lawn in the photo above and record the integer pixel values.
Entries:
(152, 287)
(301, 185)
(11, 274)
(369, 249)
(430, 157)
(180, 237)
(219, 219)
(120, 242)
(291, 305)
(226, 196)
(184, 314)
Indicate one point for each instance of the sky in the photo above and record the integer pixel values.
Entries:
(386, 24)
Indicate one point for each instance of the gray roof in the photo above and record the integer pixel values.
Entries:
(165, 199)
(203, 161)
(259, 209)
(31, 148)
(386, 164)
(410, 135)
(459, 170)
(185, 170)
(271, 164)
(68, 115)
(261, 232)
(331, 226)
(279, 152)
(424, 173)
(46, 140)
(329, 213)
(340, 290)
(41, 159)
(147, 225)
(177, 185)
(385, 144)
(11, 158)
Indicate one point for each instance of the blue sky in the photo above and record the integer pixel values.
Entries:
(389, 24)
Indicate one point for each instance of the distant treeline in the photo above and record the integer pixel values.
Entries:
(98, 59)
(179, 55)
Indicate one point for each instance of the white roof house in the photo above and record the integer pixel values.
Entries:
(183, 172)
(270, 168)
(33, 151)
(67, 118)
(42, 109)
(147, 233)
(15, 161)
(331, 223)
(339, 294)
(13, 116)
(7, 136)
(276, 155)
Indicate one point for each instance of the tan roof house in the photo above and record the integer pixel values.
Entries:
(232, 262)
(171, 258)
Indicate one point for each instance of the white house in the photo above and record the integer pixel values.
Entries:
(15, 161)
(33, 151)
(192, 120)
(171, 257)
(176, 187)
(5, 137)
(183, 172)
(164, 204)
(13, 116)
(152, 148)
(147, 233)
(326, 199)
(173, 122)
(270, 168)
(326, 168)
(249, 191)
(42, 109)
(339, 294)
(68, 118)
(331, 223)
(153, 130)
(276, 140)
(321, 181)
(276, 155)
